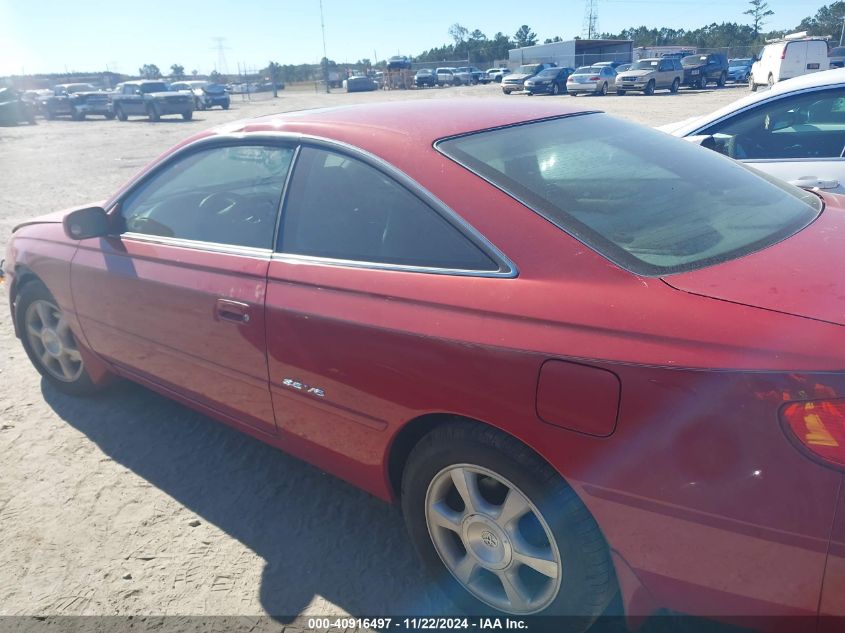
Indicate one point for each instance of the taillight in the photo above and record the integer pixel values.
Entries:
(783, 52)
(820, 426)
(594, 78)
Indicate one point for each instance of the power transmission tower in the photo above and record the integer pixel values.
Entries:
(591, 19)
(221, 48)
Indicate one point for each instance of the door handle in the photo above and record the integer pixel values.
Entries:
(229, 310)
(814, 182)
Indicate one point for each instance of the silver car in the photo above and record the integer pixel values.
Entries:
(596, 80)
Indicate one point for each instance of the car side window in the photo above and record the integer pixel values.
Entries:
(809, 125)
(339, 207)
(225, 195)
(664, 66)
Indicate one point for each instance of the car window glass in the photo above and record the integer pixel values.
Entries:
(341, 208)
(226, 195)
(700, 208)
(810, 125)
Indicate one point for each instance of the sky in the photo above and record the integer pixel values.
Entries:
(91, 35)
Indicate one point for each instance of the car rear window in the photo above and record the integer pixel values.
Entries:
(651, 203)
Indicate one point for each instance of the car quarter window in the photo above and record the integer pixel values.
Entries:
(806, 125)
(225, 195)
(340, 207)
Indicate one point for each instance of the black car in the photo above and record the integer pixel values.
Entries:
(702, 68)
(425, 77)
(550, 81)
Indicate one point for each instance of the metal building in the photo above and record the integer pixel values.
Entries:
(573, 53)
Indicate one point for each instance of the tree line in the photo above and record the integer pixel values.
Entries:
(477, 48)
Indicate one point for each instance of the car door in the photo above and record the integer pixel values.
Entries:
(665, 73)
(176, 298)
(364, 264)
(799, 138)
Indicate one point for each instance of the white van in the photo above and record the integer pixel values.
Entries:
(792, 57)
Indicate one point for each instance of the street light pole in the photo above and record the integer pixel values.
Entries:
(325, 57)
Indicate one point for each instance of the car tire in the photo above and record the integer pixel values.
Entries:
(77, 116)
(187, 116)
(676, 85)
(771, 80)
(702, 82)
(120, 114)
(555, 90)
(649, 88)
(454, 491)
(723, 79)
(752, 85)
(109, 116)
(603, 89)
(225, 106)
(746, 78)
(153, 114)
(48, 341)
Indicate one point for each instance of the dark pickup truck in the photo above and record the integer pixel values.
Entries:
(151, 99)
(76, 101)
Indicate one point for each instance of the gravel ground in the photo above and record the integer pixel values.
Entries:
(129, 504)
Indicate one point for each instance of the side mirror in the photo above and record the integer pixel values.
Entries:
(88, 222)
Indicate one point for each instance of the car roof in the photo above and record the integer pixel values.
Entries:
(833, 77)
(370, 125)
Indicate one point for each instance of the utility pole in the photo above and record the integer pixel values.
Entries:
(591, 19)
(842, 32)
(325, 56)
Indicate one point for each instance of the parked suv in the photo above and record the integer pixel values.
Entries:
(516, 80)
(648, 75)
(151, 99)
(446, 77)
(703, 68)
(497, 74)
(425, 77)
(478, 75)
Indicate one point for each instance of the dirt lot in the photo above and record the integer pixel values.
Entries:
(131, 504)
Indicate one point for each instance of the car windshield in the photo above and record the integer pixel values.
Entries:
(588, 70)
(694, 60)
(650, 202)
(153, 87)
(424, 71)
(549, 73)
(645, 64)
(527, 69)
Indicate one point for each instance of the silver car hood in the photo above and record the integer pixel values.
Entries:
(636, 73)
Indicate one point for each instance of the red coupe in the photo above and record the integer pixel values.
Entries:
(586, 357)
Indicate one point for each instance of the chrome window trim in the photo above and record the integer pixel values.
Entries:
(507, 268)
(291, 258)
(198, 245)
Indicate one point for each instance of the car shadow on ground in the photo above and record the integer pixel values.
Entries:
(316, 534)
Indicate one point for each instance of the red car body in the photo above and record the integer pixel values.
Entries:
(657, 399)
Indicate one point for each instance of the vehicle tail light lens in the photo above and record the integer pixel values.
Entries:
(820, 426)
(783, 52)
(594, 78)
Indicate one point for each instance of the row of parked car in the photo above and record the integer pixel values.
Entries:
(644, 75)
(149, 98)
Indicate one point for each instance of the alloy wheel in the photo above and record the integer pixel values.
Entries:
(493, 539)
(52, 341)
